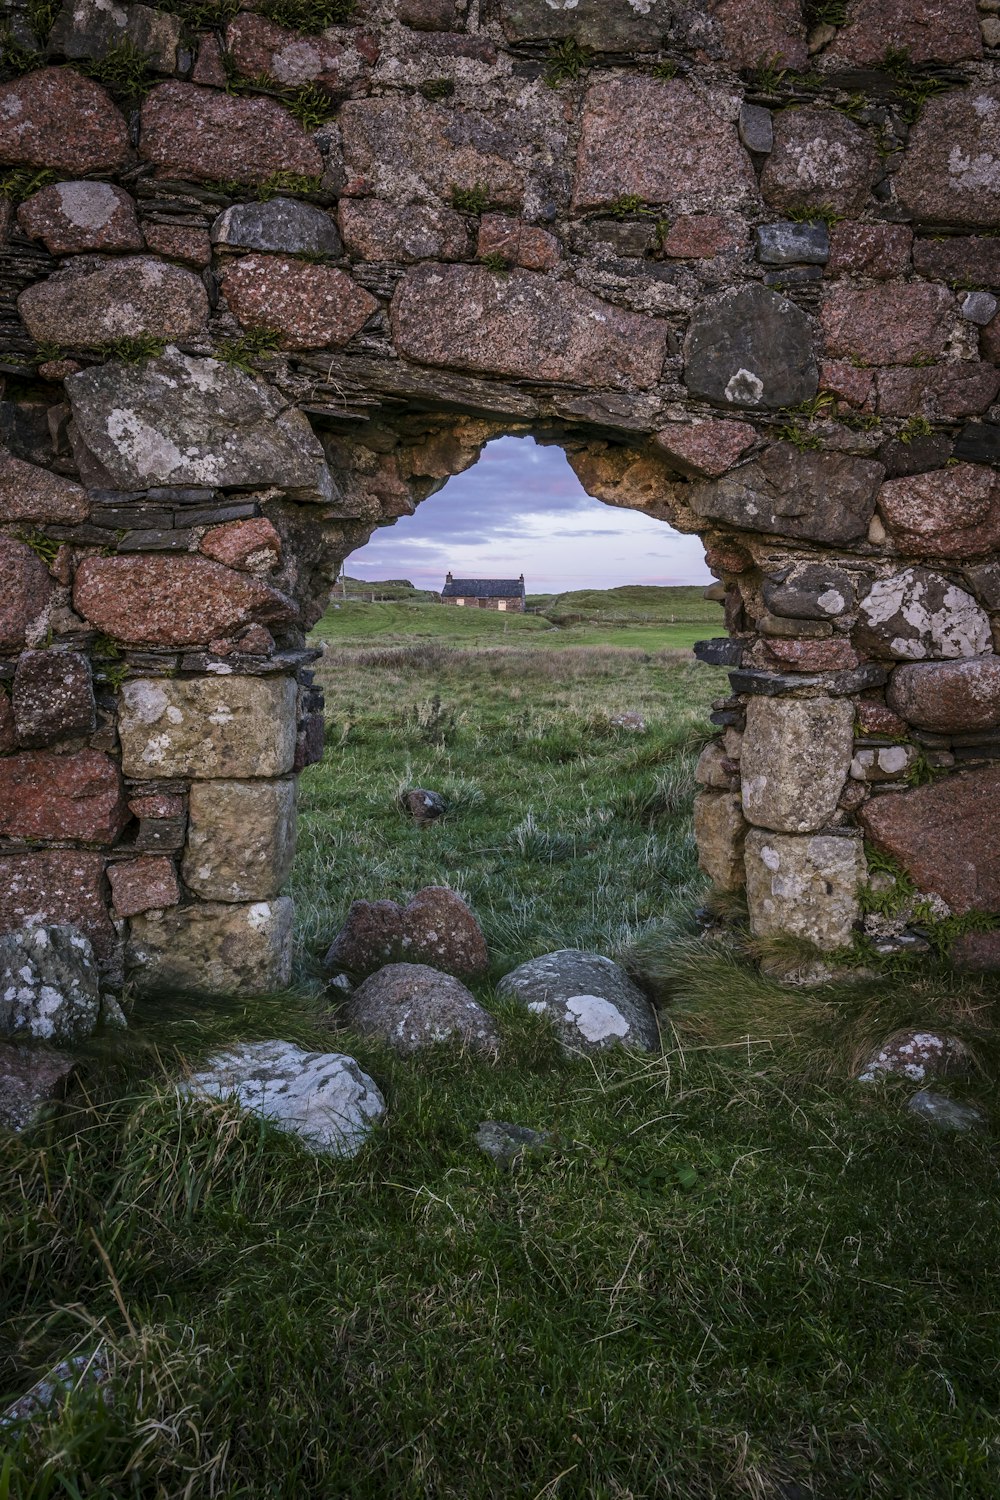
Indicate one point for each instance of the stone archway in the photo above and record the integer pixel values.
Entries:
(235, 345)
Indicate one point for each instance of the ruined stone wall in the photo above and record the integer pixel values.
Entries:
(264, 288)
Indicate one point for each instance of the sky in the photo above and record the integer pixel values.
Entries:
(521, 509)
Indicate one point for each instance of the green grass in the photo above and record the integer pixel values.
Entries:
(650, 618)
(737, 1274)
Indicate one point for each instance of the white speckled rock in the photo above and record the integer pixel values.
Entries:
(322, 1097)
(49, 988)
(590, 1000)
(917, 1055)
(79, 1373)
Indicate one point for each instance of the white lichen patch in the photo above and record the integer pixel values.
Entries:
(598, 1020)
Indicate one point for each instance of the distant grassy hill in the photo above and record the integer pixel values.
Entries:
(633, 604)
(387, 590)
(654, 619)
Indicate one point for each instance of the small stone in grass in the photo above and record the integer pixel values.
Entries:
(422, 805)
(507, 1143)
(944, 1112)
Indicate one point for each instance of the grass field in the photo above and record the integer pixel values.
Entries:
(738, 1274)
(653, 619)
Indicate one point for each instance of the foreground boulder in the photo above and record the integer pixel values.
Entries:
(70, 1377)
(49, 987)
(322, 1097)
(411, 1006)
(917, 1055)
(31, 1078)
(436, 928)
(590, 1001)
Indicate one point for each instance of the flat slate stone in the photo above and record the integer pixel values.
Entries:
(947, 1114)
(749, 347)
(787, 244)
(721, 652)
(591, 1002)
(322, 1097)
(819, 497)
(282, 224)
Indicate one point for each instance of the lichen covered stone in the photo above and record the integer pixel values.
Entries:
(208, 727)
(128, 298)
(184, 420)
(49, 985)
(241, 839)
(795, 759)
(213, 948)
(804, 887)
(590, 1001)
(322, 1097)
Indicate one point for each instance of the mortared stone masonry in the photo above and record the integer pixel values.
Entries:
(742, 269)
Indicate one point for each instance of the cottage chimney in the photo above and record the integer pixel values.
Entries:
(448, 578)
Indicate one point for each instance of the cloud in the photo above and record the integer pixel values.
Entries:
(512, 513)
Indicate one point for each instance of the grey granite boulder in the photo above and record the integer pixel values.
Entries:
(590, 1001)
(322, 1097)
(49, 988)
(31, 1078)
(180, 420)
(282, 224)
(412, 1006)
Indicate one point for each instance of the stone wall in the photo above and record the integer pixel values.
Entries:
(264, 289)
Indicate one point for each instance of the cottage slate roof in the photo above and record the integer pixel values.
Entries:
(483, 588)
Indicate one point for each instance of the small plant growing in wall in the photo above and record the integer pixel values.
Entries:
(44, 547)
(124, 71)
(768, 76)
(815, 214)
(19, 184)
(912, 85)
(15, 58)
(437, 88)
(916, 427)
(496, 263)
(665, 70)
(248, 348)
(130, 350)
(565, 62)
(824, 13)
(474, 200)
(203, 15)
(312, 16)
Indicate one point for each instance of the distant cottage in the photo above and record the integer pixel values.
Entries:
(485, 593)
